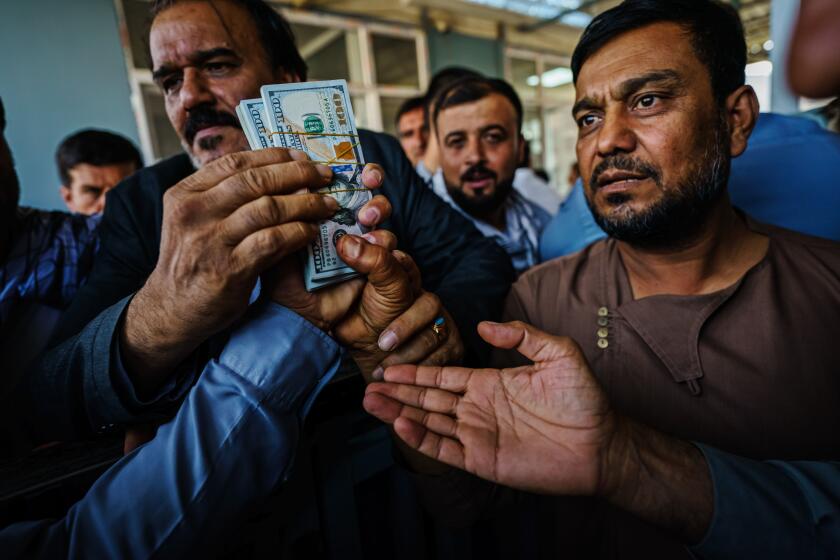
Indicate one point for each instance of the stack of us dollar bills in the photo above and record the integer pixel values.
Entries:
(316, 118)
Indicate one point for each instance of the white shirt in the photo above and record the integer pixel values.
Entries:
(524, 221)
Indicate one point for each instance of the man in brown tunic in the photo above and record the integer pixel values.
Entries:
(696, 320)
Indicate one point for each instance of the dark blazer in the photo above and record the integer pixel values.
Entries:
(76, 380)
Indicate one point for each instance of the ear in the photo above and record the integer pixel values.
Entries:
(741, 116)
(67, 197)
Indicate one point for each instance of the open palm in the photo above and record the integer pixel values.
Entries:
(542, 428)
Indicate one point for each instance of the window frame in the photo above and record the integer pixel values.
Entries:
(367, 89)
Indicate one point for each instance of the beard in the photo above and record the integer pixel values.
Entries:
(679, 215)
(481, 205)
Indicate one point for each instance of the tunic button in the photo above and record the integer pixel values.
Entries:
(602, 311)
(602, 333)
(603, 321)
(603, 343)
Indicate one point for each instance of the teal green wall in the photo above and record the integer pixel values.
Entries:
(454, 49)
(61, 69)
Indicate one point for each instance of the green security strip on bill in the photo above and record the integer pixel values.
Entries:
(316, 118)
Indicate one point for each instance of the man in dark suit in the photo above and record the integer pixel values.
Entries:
(182, 249)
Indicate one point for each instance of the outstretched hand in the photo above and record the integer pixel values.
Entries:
(544, 428)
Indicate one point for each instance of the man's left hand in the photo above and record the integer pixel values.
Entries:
(395, 319)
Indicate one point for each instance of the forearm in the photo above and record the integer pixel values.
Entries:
(232, 441)
(660, 479)
(153, 341)
(794, 506)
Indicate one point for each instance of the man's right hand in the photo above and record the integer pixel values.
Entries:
(222, 227)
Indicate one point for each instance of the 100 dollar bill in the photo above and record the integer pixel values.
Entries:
(316, 118)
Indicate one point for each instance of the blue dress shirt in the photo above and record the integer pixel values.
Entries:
(230, 444)
(571, 229)
(772, 509)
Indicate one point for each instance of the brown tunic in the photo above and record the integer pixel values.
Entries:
(753, 369)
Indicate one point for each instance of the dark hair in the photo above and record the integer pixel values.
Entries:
(717, 35)
(410, 104)
(472, 89)
(274, 33)
(441, 80)
(2, 116)
(94, 147)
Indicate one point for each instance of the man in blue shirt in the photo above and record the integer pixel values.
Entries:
(44, 259)
(234, 437)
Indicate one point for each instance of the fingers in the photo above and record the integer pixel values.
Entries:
(443, 449)
(529, 341)
(275, 179)
(382, 238)
(268, 211)
(423, 398)
(414, 351)
(388, 410)
(218, 170)
(410, 267)
(452, 379)
(373, 176)
(269, 246)
(415, 319)
(375, 211)
(377, 263)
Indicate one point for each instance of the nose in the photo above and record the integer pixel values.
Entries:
(615, 134)
(194, 90)
(474, 150)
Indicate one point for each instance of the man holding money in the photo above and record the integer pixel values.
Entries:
(169, 267)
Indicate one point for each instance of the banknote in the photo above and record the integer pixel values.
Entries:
(317, 118)
(251, 113)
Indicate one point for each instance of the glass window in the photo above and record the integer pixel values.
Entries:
(396, 61)
(532, 131)
(524, 78)
(330, 54)
(557, 86)
(138, 17)
(390, 106)
(360, 110)
(165, 141)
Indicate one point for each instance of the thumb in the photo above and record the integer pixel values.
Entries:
(383, 271)
(534, 344)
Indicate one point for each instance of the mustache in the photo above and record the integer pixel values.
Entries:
(623, 162)
(202, 117)
(477, 171)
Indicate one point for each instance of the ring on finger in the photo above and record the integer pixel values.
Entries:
(439, 327)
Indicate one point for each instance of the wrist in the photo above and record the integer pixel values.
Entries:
(621, 468)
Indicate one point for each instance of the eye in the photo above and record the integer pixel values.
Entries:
(169, 85)
(647, 101)
(587, 120)
(494, 137)
(217, 68)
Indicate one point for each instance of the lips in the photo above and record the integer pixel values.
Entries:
(479, 182)
(209, 131)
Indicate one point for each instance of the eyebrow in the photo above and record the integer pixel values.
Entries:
(668, 78)
(494, 126)
(195, 59)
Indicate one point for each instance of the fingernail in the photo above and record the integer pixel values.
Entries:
(370, 238)
(351, 247)
(375, 175)
(371, 215)
(387, 341)
(378, 374)
(324, 170)
(331, 203)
